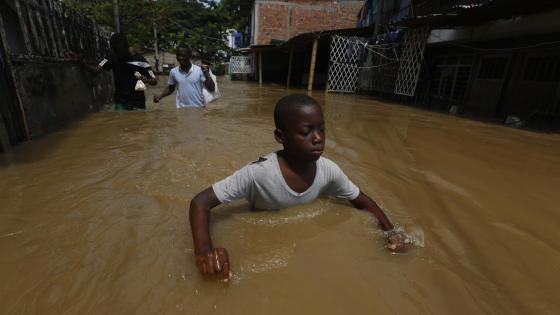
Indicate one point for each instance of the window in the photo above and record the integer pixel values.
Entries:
(451, 76)
(492, 68)
(542, 68)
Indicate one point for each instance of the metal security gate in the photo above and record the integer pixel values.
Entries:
(240, 65)
(343, 64)
(411, 61)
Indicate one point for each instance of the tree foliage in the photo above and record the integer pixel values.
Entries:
(199, 24)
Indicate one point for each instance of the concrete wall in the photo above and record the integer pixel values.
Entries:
(285, 19)
(54, 94)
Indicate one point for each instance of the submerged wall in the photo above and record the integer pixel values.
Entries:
(44, 89)
(54, 94)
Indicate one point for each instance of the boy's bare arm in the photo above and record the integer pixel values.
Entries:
(209, 260)
(363, 201)
(166, 92)
(396, 241)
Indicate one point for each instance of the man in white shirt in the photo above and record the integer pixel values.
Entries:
(295, 175)
(190, 79)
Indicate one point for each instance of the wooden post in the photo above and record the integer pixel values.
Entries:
(57, 33)
(34, 32)
(290, 67)
(260, 68)
(312, 66)
(59, 14)
(26, 39)
(40, 27)
(47, 13)
(116, 16)
(156, 47)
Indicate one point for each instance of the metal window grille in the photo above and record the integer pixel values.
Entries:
(411, 61)
(378, 67)
(493, 68)
(542, 68)
(240, 64)
(343, 64)
(451, 75)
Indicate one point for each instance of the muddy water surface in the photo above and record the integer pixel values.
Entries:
(93, 217)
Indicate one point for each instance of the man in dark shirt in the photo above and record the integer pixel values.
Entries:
(124, 66)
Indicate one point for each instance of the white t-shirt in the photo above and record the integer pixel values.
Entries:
(189, 86)
(263, 185)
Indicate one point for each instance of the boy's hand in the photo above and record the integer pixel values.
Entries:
(398, 242)
(213, 262)
(156, 98)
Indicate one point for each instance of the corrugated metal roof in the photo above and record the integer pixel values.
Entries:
(478, 11)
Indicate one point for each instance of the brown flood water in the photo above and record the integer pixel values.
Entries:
(93, 217)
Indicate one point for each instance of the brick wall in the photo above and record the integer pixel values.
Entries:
(286, 19)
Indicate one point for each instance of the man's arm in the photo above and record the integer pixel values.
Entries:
(147, 75)
(166, 92)
(209, 260)
(150, 80)
(95, 70)
(208, 83)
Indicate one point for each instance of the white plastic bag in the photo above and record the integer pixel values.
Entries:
(140, 86)
(211, 96)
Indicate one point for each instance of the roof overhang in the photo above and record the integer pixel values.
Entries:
(476, 12)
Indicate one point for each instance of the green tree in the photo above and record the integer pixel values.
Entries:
(199, 24)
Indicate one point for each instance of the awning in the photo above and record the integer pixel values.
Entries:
(477, 12)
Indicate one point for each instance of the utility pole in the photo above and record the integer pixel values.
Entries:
(116, 16)
(156, 47)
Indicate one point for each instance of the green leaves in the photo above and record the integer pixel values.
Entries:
(199, 24)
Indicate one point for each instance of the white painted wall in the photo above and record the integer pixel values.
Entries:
(541, 23)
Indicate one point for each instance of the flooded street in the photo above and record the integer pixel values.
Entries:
(93, 217)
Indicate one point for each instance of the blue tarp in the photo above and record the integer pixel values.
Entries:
(397, 10)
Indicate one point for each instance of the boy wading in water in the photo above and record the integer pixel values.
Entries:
(292, 176)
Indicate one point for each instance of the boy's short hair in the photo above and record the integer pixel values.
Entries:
(185, 48)
(290, 101)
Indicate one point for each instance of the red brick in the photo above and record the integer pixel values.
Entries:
(306, 16)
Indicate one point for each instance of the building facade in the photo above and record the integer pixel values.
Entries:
(494, 59)
(276, 21)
